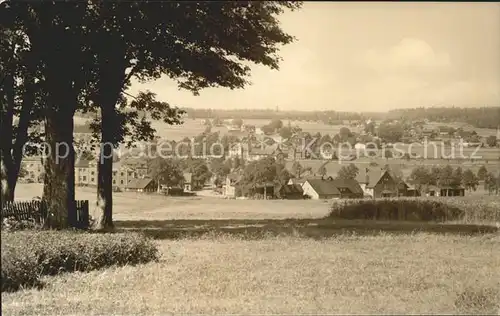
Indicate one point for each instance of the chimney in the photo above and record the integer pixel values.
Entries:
(367, 176)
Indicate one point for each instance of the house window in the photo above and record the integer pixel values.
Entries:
(114, 173)
(130, 174)
(121, 181)
(84, 178)
(121, 174)
(114, 181)
(92, 180)
(92, 172)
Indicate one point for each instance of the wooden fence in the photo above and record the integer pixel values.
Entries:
(37, 211)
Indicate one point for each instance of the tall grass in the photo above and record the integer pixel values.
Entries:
(439, 209)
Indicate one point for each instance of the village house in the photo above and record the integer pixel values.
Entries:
(378, 183)
(141, 185)
(123, 172)
(329, 188)
(266, 151)
(445, 191)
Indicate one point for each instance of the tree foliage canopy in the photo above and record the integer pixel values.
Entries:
(87, 53)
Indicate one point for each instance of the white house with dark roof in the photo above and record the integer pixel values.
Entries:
(329, 188)
(378, 183)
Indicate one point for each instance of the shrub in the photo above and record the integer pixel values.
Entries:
(12, 224)
(28, 255)
(417, 209)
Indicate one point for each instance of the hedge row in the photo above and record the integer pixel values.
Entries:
(29, 255)
(418, 209)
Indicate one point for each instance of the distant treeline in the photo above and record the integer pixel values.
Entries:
(485, 117)
(324, 116)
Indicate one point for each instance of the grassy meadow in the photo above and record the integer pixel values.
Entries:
(277, 257)
(408, 274)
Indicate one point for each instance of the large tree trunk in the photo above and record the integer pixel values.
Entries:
(59, 50)
(60, 107)
(59, 184)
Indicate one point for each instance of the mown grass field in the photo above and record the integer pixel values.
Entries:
(410, 274)
(277, 257)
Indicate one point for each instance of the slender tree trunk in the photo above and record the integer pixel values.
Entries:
(14, 158)
(111, 78)
(8, 182)
(104, 204)
(6, 128)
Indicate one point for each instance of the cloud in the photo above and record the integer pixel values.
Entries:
(410, 54)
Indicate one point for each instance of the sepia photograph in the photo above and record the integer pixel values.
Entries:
(249, 157)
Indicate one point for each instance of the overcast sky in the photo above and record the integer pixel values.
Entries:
(364, 56)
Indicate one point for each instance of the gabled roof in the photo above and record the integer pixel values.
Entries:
(323, 187)
(329, 186)
(298, 181)
(139, 183)
(332, 167)
(374, 176)
(292, 189)
(350, 184)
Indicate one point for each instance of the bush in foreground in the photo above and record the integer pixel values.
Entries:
(12, 224)
(417, 209)
(28, 255)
